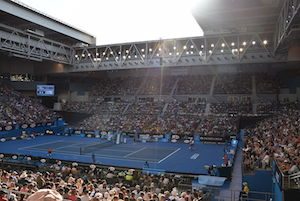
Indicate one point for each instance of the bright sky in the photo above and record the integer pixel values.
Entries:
(118, 21)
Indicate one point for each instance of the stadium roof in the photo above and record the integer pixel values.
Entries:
(237, 16)
(18, 15)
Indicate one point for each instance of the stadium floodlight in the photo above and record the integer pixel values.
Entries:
(222, 50)
(253, 42)
(95, 59)
(83, 55)
(192, 52)
(111, 52)
(244, 43)
(150, 50)
(157, 54)
(106, 58)
(135, 56)
(210, 51)
(223, 44)
(200, 52)
(89, 54)
(170, 53)
(187, 52)
(129, 56)
(192, 46)
(144, 56)
(174, 48)
(143, 50)
(127, 51)
(202, 46)
(177, 53)
(232, 44)
(265, 42)
(97, 54)
(184, 47)
(117, 58)
(159, 49)
(76, 55)
(103, 53)
(119, 52)
(241, 49)
(124, 57)
(212, 45)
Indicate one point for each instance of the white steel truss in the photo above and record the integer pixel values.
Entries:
(197, 51)
(24, 45)
(287, 17)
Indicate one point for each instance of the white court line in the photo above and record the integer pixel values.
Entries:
(168, 155)
(71, 145)
(134, 152)
(195, 156)
(115, 150)
(41, 144)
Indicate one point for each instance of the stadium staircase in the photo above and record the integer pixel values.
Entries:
(211, 91)
(232, 191)
(164, 109)
(207, 109)
(211, 97)
(254, 95)
(174, 87)
(144, 82)
(126, 108)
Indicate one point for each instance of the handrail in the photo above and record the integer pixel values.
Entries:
(35, 161)
(286, 181)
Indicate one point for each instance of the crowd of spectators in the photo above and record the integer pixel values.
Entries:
(96, 107)
(219, 126)
(233, 84)
(81, 106)
(267, 107)
(116, 86)
(186, 107)
(275, 138)
(158, 85)
(266, 84)
(145, 108)
(240, 83)
(183, 124)
(234, 106)
(16, 108)
(195, 84)
(74, 183)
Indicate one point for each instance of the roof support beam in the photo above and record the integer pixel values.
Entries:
(26, 13)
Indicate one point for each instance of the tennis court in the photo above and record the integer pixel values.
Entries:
(108, 149)
(169, 157)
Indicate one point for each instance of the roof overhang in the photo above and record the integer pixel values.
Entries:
(237, 16)
(24, 12)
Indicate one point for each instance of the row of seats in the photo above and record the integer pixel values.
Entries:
(71, 182)
(184, 85)
(16, 108)
(275, 138)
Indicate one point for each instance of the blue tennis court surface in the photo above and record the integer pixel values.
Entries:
(171, 157)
